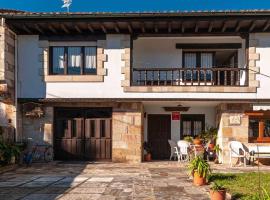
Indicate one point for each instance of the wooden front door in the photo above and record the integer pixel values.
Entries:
(159, 132)
(82, 134)
(192, 125)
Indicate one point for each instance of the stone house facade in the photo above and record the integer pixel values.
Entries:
(97, 86)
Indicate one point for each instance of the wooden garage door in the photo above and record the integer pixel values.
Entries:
(159, 132)
(82, 138)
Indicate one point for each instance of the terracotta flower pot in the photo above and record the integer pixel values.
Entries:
(198, 180)
(218, 195)
(147, 157)
(197, 141)
(211, 146)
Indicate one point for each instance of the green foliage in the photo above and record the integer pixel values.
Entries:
(210, 134)
(199, 165)
(7, 151)
(188, 139)
(244, 185)
(217, 187)
(217, 149)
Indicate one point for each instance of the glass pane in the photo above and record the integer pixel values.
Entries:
(93, 128)
(190, 62)
(186, 128)
(197, 127)
(58, 60)
(102, 128)
(206, 62)
(90, 60)
(267, 128)
(253, 128)
(74, 60)
(74, 128)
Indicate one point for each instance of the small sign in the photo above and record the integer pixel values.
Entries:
(175, 115)
(235, 120)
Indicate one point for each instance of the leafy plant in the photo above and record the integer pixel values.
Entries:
(188, 139)
(210, 134)
(7, 151)
(217, 187)
(217, 149)
(199, 165)
(147, 147)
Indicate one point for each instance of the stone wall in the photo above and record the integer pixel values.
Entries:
(233, 125)
(127, 136)
(7, 80)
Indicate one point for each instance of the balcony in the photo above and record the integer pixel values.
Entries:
(189, 76)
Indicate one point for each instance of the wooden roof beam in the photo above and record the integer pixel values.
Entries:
(52, 29)
(183, 28)
(156, 28)
(39, 29)
(266, 26)
(210, 27)
(78, 28)
(196, 27)
(224, 26)
(169, 27)
(252, 26)
(103, 28)
(130, 28)
(116, 28)
(238, 26)
(64, 28)
(143, 27)
(90, 28)
(27, 29)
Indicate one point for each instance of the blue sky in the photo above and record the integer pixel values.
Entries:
(134, 5)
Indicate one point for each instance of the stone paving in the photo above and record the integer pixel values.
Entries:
(102, 181)
(155, 180)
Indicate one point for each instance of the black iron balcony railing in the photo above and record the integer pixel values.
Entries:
(189, 76)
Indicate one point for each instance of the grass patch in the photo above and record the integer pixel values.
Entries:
(243, 185)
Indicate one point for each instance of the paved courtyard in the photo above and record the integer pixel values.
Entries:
(154, 180)
(157, 180)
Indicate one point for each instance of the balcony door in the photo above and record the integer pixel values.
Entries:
(192, 125)
(193, 60)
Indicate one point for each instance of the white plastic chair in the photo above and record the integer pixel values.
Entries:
(237, 151)
(183, 150)
(174, 149)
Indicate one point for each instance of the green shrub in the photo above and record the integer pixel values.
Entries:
(7, 151)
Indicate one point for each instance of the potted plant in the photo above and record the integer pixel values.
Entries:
(147, 148)
(217, 192)
(199, 168)
(197, 141)
(217, 151)
(188, 139)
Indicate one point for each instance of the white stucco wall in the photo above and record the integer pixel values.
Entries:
(195, 108)
(264, 63)
(30, 84)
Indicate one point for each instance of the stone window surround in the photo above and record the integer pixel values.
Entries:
(101, 58)
(253, 84)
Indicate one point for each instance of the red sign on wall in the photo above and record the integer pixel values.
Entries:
(175, 115)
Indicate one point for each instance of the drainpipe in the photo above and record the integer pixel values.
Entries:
(16, 88)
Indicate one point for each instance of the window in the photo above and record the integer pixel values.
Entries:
(193, 60)
(73, 60)
(259, 128)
